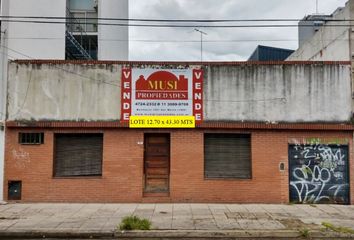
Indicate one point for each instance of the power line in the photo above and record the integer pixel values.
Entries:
(282, 99)
(63, 69)
(178, 41)
(168, 40)
(30, 79)
(178, 26)
(26, 94)
(5, 54)
(177, 20)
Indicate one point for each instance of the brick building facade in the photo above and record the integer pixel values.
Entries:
(122, 177)
(276, 162)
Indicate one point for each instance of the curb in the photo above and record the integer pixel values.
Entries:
(175, 234)
(230, 234)
(28, 234)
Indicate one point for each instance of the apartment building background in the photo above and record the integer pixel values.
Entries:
(78, 37)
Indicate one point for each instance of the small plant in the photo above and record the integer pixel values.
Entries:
(134, 223)
(330, 226)
(305, 233)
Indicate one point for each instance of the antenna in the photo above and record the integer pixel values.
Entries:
(201, 42)
(316, 6)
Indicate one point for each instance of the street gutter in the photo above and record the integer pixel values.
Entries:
(174, 234)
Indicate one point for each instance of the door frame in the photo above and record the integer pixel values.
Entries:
(168, 136)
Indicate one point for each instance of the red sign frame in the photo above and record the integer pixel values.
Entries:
(161, 95)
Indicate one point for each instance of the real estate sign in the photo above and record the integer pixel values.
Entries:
(162, 92)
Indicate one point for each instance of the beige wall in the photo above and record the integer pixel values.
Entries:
(64, 92)
(262, 93)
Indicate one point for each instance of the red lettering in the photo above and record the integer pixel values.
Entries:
(198, 95)
(126, 95)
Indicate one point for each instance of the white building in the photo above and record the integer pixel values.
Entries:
(79, 33)
(332, 41)
(329, 39)
(81, 38)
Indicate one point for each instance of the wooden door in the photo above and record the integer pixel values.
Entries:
(157, 163)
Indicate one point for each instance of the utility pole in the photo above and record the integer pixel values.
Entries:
(201, 42)
(316, 6)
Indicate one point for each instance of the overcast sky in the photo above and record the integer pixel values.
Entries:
(225, 44)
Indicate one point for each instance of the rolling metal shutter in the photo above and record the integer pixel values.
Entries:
(319, 174)
(78, 155)
(227, 156)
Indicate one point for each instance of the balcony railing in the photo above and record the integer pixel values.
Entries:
(78, 42)
(84, 21)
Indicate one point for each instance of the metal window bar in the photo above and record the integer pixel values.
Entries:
(31, 138)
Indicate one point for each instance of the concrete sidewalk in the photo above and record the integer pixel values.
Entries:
(194, 220)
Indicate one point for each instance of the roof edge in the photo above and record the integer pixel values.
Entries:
(106, 62)
(206, 125)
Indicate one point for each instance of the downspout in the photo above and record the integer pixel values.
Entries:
(3, 81)
(351, 59)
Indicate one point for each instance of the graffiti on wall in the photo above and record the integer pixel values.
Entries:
(319, 173)
(21, 158)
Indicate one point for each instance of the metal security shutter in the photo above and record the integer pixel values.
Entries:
(319, 174)
(78, 155)
(227, 156)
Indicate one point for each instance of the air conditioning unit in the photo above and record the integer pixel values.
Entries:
(318, 24)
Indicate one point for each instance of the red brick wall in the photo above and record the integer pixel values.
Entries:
(122, 179)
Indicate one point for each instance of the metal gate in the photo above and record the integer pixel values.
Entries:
(319, 174)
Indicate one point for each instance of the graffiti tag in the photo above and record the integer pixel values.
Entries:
(318, 173)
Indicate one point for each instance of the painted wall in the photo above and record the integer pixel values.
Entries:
(329, 43)
(3, 77)
(113, 40)
(246, 92)
(71, 92)
(38, 41)
(290, 93)
(309, 26)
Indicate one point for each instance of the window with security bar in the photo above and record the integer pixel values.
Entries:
(31, 138)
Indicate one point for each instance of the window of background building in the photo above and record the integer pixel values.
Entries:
(227, 156)
(78, 155)
(85, 13)
(82, 30)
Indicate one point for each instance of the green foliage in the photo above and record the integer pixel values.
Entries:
(330, 226)
(305, 233)
(134, 223)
